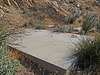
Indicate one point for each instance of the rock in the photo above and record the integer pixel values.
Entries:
(1, 13)
(78, 29)
(51, 26)
(66, 6)
(78, 5)
(93, 29)
(55, 3)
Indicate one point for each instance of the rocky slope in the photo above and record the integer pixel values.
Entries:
(14, 13)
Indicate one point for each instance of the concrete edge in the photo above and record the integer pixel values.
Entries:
(43, 63)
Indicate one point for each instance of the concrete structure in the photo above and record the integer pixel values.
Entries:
(51, 50)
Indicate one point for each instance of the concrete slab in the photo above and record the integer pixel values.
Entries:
(52, 47)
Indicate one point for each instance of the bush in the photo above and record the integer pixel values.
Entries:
(71, 20)
(24, 11)
(87, 25)
(41, 16)
(31, 22)
(35, 8)
(26, 24)
(80, 21)
(88, 53)
(7, 65)
(98, 25)
(1, 34)
(60, 28)
(71, 1)
(40, 26)
(70, 29)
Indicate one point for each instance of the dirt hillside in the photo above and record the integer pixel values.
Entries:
(15, 13)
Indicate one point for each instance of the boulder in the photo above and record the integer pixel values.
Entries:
(78, 5)
(51, 26)
(55, 3)
(78, 29)
(1, 13)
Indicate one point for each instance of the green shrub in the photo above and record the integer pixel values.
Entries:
(71, 1)
(26, 24)
(44, 6)
(31, 22)
(71, 20)
(35, 8)
(24, 11)
(7, 65)
(87, 25)
(98, 25)
(70, 29)
(41, 16)
(60, 28)
(79, 21)
(40, 26)
(88, 53)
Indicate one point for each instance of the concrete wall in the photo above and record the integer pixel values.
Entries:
(44, 64)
